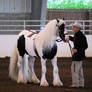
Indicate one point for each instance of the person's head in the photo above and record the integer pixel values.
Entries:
(76, 29)
(76, 26)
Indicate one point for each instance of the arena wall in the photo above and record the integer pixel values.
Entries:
(70, 14)
(7, 43)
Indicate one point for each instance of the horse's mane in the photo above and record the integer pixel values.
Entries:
(51, 25)
(48, 34)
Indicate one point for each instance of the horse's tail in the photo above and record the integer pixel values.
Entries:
(13, 67)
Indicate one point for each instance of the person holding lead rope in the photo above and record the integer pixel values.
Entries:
(78, 55)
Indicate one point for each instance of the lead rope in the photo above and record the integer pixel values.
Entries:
(59, 40)
(70, 48)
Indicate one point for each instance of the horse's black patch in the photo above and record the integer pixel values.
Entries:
(21, 45)
(50, 52)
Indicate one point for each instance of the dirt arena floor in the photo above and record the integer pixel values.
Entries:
(8, 85)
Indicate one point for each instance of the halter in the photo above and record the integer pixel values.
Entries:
(61, 33)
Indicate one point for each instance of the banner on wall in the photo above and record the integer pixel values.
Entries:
(69, 4)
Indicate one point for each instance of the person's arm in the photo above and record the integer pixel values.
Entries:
(67, 38)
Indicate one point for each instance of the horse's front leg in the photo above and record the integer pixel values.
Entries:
(56, 78)
(43, 78)
(32, 76)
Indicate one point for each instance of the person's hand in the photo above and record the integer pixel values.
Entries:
(67, 38)
(74, 50)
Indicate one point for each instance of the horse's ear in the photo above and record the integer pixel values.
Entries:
(57, 20)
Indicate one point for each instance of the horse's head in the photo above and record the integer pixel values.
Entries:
(61, 27)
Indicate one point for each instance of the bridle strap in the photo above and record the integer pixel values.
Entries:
(70, 47)
(59, 40)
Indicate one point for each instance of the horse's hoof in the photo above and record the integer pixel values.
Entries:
(36, 81)
(44, 84)
(22, 81)
(58, 84)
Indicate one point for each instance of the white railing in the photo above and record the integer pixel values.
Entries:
(18, 25)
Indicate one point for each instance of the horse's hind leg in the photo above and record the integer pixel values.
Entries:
(26, 68)
(56, 79)
(32, 76)
(21, 78)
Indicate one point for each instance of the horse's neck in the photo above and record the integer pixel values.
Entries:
(50, 31)
(47, 36)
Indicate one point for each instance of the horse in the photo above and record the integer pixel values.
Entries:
(30, 45)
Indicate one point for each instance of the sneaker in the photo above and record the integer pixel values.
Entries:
(74, 86)
(81, 86)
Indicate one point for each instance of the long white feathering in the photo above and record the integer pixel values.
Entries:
(13, 68)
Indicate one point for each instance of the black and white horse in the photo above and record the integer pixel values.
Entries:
(30, 45)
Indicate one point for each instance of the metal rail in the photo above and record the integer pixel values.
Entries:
(18, 25)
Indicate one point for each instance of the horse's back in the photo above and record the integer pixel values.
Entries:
(26, 32)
